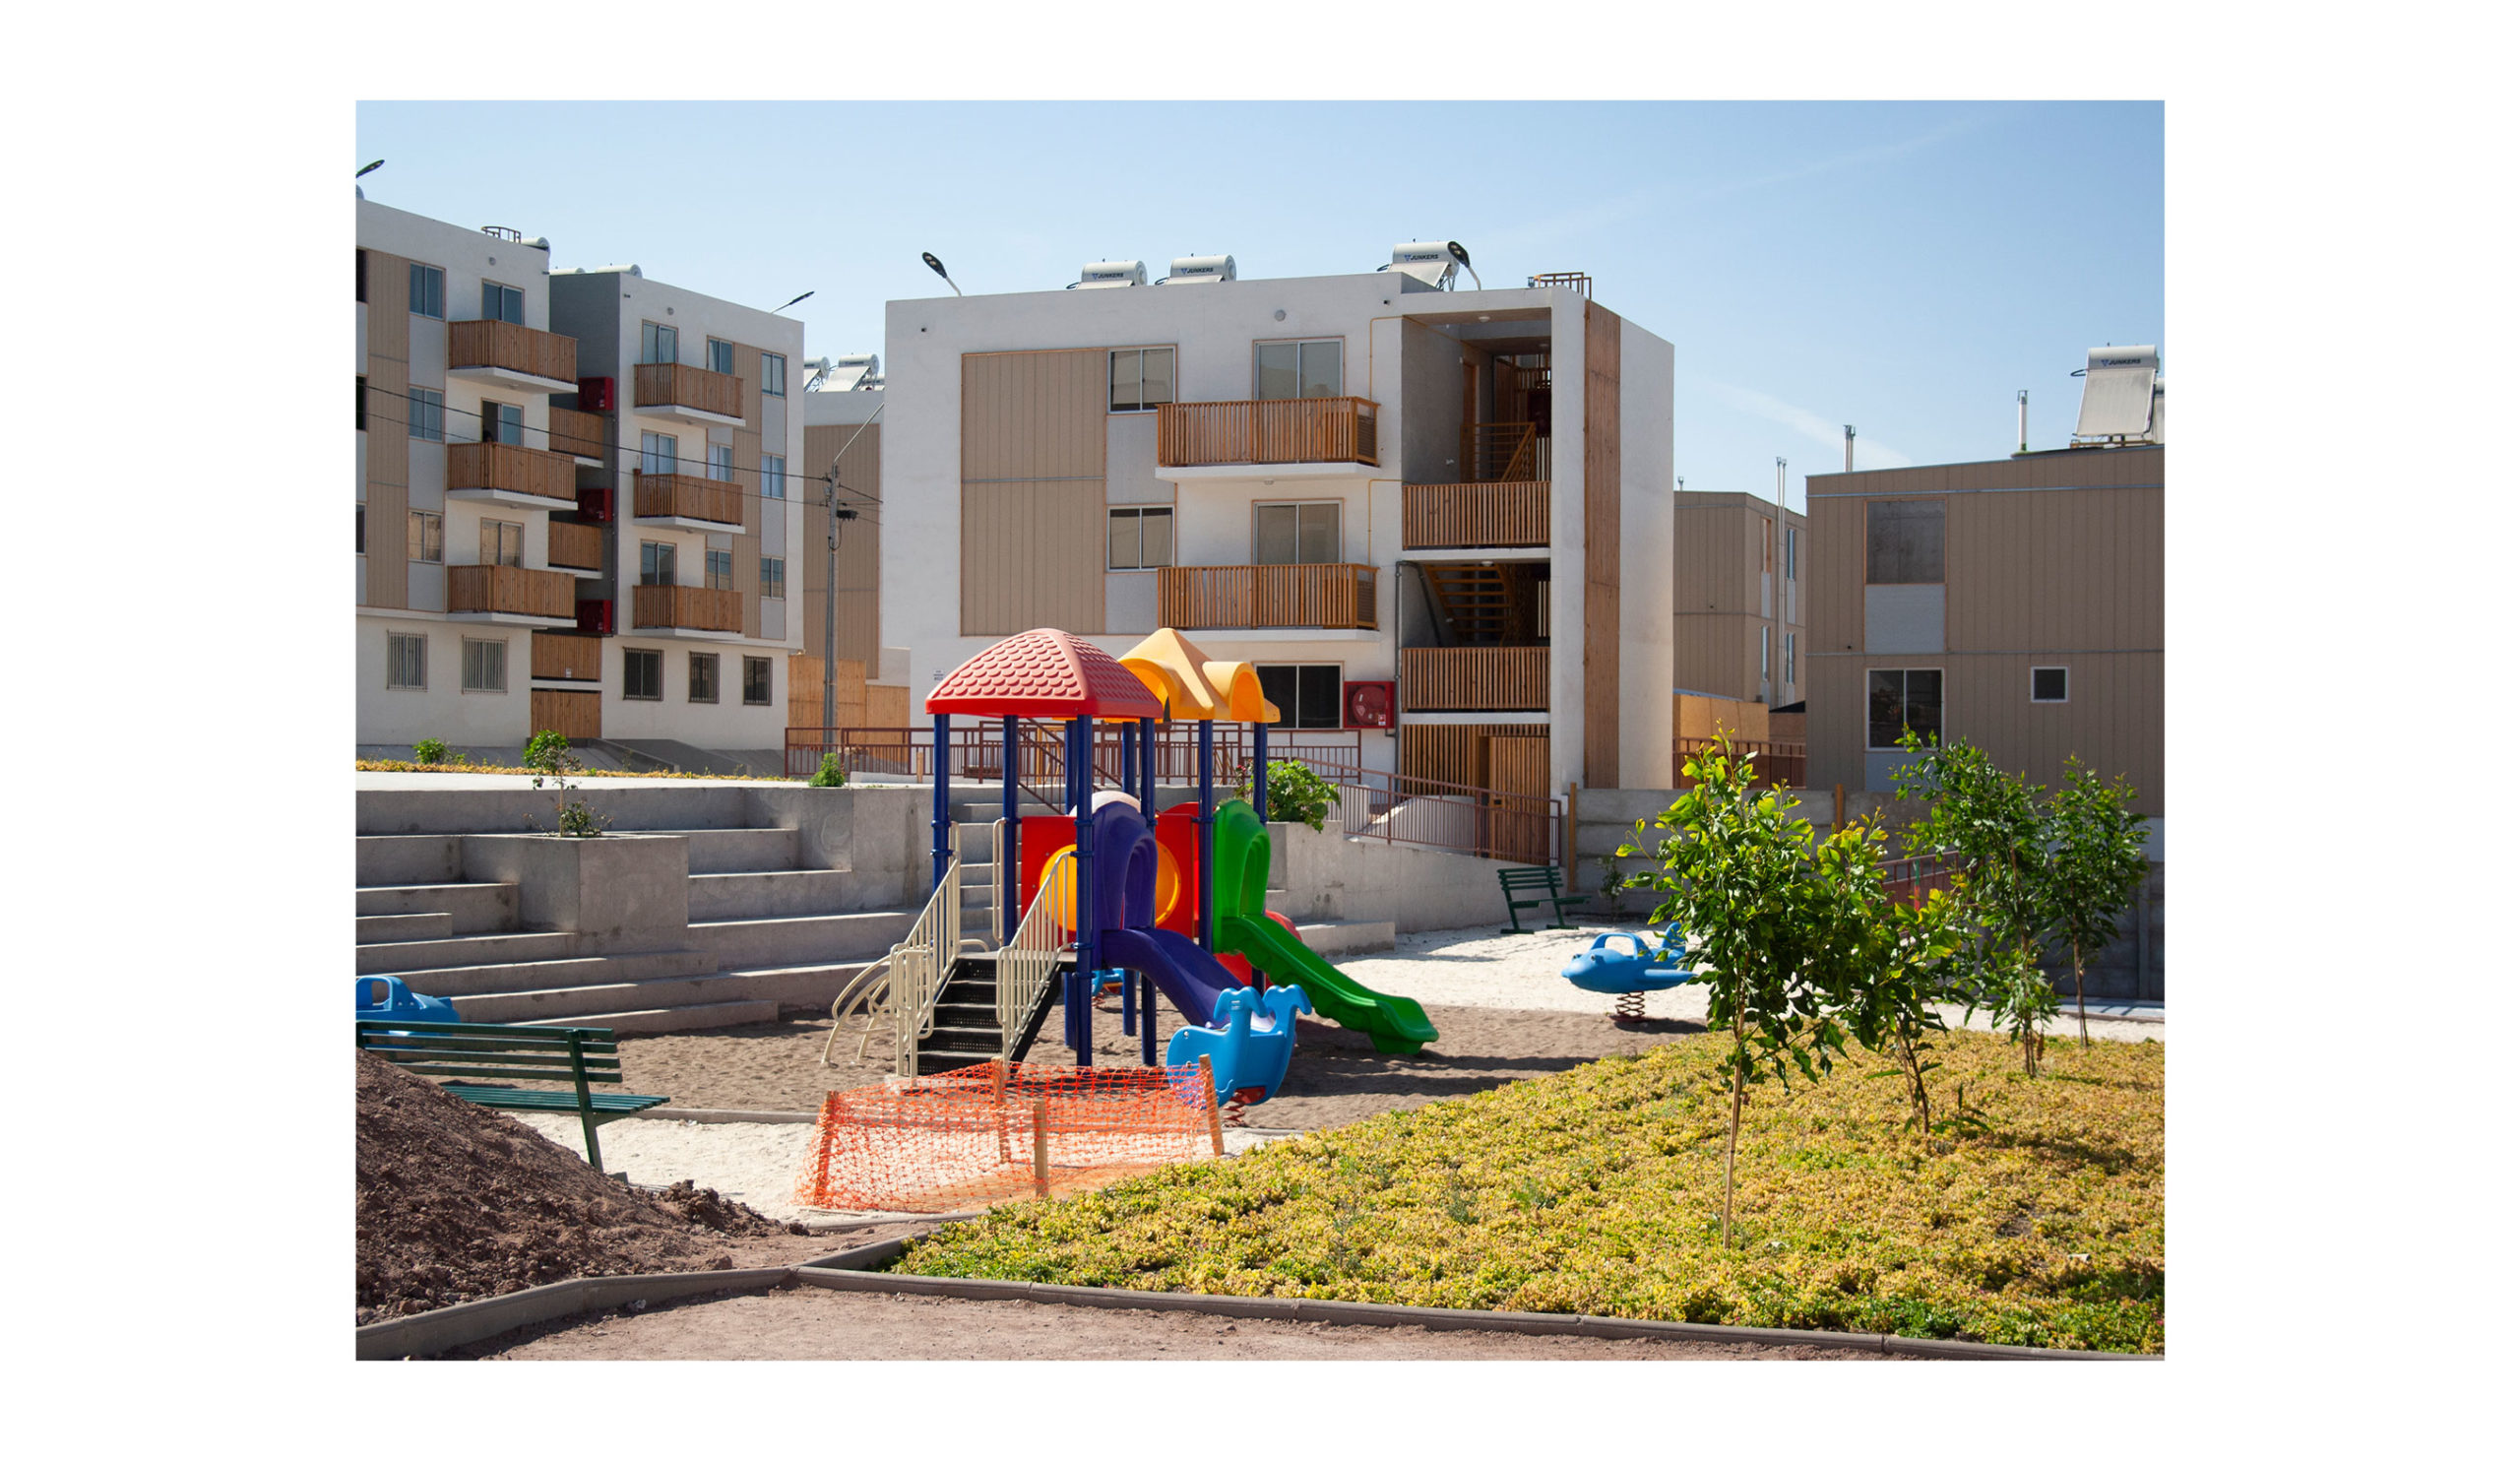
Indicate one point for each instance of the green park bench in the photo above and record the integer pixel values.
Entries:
(584, 1058)
(1541, 881)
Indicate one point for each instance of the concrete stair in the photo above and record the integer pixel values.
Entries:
(793, 892)
(445, 953)
(474, 908)
(392, 927)
(812, 939)
(740, 849)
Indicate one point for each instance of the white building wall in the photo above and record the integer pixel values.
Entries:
(445, 709)
(1646, 523)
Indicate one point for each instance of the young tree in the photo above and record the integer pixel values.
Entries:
(1984, 822)
(1781, 916)
(2095, 868)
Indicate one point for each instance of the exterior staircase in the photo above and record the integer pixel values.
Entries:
(966, 1030)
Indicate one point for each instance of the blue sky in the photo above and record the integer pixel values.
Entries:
(1901, 266)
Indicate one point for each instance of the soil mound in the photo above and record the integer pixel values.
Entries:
(457, 1203)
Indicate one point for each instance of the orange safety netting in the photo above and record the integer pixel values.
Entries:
(990, 1132)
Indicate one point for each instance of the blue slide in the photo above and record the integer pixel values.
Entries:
(1185, 973)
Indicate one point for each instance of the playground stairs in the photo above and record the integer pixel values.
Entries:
(966, 1029)
(762, 933)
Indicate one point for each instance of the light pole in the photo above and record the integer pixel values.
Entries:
(831, 572)
(938, 265)
(1462, 257)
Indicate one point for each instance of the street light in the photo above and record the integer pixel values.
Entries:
(1461, 256)
(938, 265)
(799, 299)
(364, 171)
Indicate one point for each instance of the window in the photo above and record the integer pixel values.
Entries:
(774, 374)
(362, 403)
(501, 421)
(502, 543)
(362, 276)
(406, 661)
(721, 356)
(1306, 695)
(660, 453)
(643, 674)
(486, 666)
(658, 344)
(1141, 537)
(1141, 379)
(1292, 369)
(1789, 659)
(1294, 533)
(427, 538)
(427, 414)
(1903, 541)
(500, 303)
(756, 680)
(1905, 700)
(774, 578)
(1766, 637)
(722, 463)
(428, 290)
(2048, 684)
(774, 477)
(655, 562)
(1767, 545)
(362, 529)
(704, 679)
(1792, 563)
(718, 568)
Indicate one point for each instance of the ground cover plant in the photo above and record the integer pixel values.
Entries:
(1597, 1191)
(368, 763)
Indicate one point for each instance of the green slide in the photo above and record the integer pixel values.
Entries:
(1398, 1026)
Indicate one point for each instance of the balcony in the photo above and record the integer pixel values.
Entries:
(495, 472)
(568, 657)
(507, 594)
(579, 434)
(511, 354)
(671, 499)
(577, 547)
(1473, 515)
(676, 607)
(1330, 435)
(690, 394)
(1481, 677)
(1274, 595)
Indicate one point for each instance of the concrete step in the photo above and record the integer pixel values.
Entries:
(477, 907)
(798, 986)
(768, 895)
(450, 953)
(815, 938)
(1335, 941)
(384, 860)
(740, 849)
(666, 1021)
(578, 1003)
(556, 974)
(398, 927)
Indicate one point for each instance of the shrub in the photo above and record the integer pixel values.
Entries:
(1297, 793)
(548, 757)
(831, 774)
(429, 751)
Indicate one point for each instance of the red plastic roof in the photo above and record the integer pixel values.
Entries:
(1044, 673)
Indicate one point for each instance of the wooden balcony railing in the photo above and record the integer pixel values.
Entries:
(472, 345)
(495, 465)
(1475, 678)
(575, 546)
(567, 656)
(1276, 595)
(496, 587)
(692, 387)
(1218, 433)
(676, 607)
(1473, 515)
(576, 433)
(674, 496)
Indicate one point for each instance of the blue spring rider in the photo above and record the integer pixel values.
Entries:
(1250, 1042)
(382, 996)
(1646, 965)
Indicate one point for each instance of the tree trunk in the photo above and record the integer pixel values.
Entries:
(1733, 1138)
(2082, 1016)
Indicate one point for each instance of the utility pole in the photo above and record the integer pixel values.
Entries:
(831, 593)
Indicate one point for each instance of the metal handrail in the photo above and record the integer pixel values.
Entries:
(924, 956)
(1026, 962)
(862, 986)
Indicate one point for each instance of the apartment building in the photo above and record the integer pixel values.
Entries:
(2016, 603)
(686, 439)
(844, 436)
(1736, 597)
(469, 547)
(1434, 518)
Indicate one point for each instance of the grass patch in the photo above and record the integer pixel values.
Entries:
(1597, 1191)
(452, 767)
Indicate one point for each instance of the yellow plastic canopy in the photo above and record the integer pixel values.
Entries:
(1194, 687)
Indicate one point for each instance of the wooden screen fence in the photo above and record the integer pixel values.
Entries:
(575, 714)
(567, 656)
(575, 546)
(691, 387)
(1777, 763)
(1308, 595)
(674, 496)
(1475, 678)
(495, 465)
(1217, 434)
(576, 433)
(474, 344)
(680, 606)
(1473, 515)
(485, 588)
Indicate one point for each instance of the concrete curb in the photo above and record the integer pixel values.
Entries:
(704, 1114)
(444, 1329)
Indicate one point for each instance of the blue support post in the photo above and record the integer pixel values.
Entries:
(1260, 769)
(1010, 915)
(1207, 835)
(943, 823)
(1088, 968)
(1129, 756)
(1146, 1023)
(1145, 769)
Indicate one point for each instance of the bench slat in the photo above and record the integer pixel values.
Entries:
(504, 1057)
(505, 1073)
(558, 1100)
(490, 1036)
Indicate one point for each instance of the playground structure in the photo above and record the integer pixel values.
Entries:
(1649, 963)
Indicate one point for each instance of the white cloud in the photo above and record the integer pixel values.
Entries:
(1869, 454)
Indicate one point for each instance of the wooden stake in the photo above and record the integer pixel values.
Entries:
(1040, 1148)
(997, 1107)
(1215, 1123)
(1838, 818)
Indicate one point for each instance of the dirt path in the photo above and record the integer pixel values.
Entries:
(804, 1324)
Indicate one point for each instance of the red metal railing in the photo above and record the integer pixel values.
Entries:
(974, 753)
(1909, 879)
(1778, 763)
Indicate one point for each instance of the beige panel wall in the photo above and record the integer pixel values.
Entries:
(1034, 482)
(2054, 570)
(389, 440)
(1601, 547)
(859, 630)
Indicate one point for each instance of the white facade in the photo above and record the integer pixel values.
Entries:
(1398, 344)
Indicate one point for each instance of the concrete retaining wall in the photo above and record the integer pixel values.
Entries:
(1325, 876)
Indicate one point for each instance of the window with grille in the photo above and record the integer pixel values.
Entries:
(643, 674)
(406, 661)
(485, 665)
(1903, 700)
(704, 679)
(1141, 537)
(756, 680)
